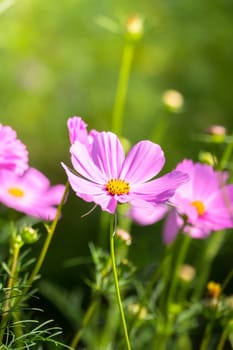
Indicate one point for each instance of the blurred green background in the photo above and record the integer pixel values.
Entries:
(57, 60)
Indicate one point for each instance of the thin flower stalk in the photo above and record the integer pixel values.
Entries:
(133, 33)
(50, 233)
(211, 248)
(158, 272)
(166, 272)
(118, 295)
(122, 86)
(224, 336)
(207, 334)
(88, 314)
(40, 260)
(172, 264)
(6, 307)
(227, 280)
(227, 154)
(183, 249)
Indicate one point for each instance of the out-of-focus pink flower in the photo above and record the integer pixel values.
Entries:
(77, 129)
(13, 153)
(206, 202)
(106, 177)
(30, 193)
(149, 214)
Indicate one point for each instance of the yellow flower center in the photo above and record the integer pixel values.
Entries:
(117, 186)
(199, 207)
(16, 192)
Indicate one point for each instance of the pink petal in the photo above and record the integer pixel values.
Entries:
(83, 163)
(161, 189)
(186, 189)
(55, 194)
(35, 180)
(108, 154)
(91, 192)
(143, 162)
(205, 181)
(197, 232)
(171, 227)
(146, 213)
(13, 153)
(77, 129)
(219, 211)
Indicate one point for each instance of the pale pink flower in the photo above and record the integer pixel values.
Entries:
(149, 214)
(13, 153)
(205, 201)
(104, 175)
(30, 193)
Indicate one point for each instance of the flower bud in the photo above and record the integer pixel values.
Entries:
(17, 241)
(173, 100)
(29, 235)
(214, 290)
(216, 130)
(124, 236)
(207, 158)
(140, 311)
(217, 133)
(187, 273)
(134, 28)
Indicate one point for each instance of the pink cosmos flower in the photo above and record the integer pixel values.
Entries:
(149, 214)
(206, 201)
(13, 153)
(77, 129)
(30, 193)
(104, 175)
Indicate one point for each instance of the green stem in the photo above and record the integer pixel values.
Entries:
(179, 259)
(212, 246)
(50, 233)
(223, 337)
(167, 266)
(162, 269)
(146, 295)
(37, 267)
(227, 154)
(122, 87)
(171, 268)
(6, 304)
(117, 289)
(86, 319)
(227, 280)
(207, 334)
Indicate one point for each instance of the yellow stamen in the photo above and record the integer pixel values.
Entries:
(16, 192)
(117, 186)
(199, 206)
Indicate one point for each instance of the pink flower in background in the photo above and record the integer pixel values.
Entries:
(77, 129)
(149, 214)
(30, 193)
(13, 153)
(206, 201)
(104, 175)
